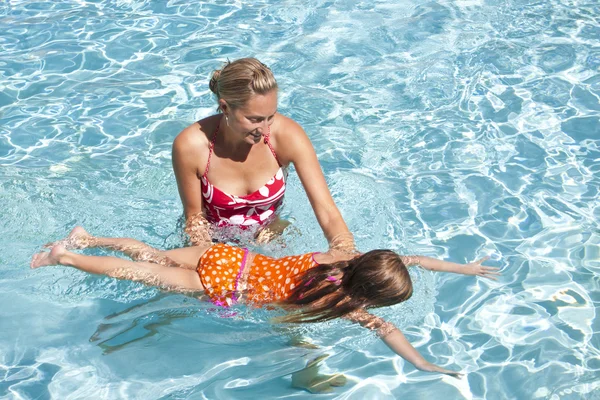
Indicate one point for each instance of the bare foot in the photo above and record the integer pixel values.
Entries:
(299, 341)
(48, 258)
(309, 378)
(79, 238)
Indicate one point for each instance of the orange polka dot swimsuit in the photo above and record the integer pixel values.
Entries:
(266, 279)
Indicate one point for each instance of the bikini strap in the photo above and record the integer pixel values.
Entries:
(268, 143)
(211, 147)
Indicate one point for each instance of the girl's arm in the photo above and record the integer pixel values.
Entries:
(433, 264)
(396, 341)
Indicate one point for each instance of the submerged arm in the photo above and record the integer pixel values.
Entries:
(186, 155)
(433, 264)
(297, 149)
(396, 341)
(198, 229)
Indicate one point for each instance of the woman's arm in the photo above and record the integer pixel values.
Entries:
(433, 264)
(187, 155)
(396, 341)
(293, 145)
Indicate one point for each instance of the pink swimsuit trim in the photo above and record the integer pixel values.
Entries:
(313, 257)
(237, 278)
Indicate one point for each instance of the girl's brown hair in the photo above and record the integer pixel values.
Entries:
(241, 79)
(375, 279)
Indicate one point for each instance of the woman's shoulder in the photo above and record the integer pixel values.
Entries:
(197, 136)
(288, 137)
(285, 127)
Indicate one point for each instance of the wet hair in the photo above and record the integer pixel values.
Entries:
(375, 279)
(241, 79)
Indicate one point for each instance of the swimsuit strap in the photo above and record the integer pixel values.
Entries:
(268, 143)
(214, 138)
(211, 147)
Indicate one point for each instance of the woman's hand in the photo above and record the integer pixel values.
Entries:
(475, 268)
(198, 229)
(429, 367)
(343, 244)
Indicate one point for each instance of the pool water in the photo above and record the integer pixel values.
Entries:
(454, 129)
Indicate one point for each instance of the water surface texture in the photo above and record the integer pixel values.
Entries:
(453, 129)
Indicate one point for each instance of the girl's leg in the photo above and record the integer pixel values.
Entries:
(79, 238)
(145, 272)
(186, 257)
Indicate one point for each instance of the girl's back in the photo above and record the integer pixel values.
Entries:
(228, 271)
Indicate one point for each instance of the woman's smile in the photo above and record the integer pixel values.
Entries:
(255, 135)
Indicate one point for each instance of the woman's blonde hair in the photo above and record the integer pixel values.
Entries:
(241, 79)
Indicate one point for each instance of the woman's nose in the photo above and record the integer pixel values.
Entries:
(263, 126)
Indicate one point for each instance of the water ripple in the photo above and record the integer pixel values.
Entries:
(449, 129)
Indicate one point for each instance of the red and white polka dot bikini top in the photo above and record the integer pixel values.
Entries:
(254, 209)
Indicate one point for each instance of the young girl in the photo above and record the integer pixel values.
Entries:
(313, 287)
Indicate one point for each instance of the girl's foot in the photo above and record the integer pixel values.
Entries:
(299, 341)
(79, 238)
(309, 378)
(48, 258)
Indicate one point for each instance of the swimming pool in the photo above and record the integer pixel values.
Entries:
(452, 129)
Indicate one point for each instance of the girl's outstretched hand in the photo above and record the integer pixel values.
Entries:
(475, 268)
(429, 367)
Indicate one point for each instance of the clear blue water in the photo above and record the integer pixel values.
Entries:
(452, 129)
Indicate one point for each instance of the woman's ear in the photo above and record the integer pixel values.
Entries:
(223, 106)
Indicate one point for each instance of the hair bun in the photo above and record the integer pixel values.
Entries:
(237, 81)
(214, 82)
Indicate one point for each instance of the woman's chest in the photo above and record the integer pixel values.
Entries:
(245, 177)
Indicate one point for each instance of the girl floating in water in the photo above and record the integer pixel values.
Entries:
(313, 287)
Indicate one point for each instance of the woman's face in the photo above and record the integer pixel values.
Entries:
(252, 120)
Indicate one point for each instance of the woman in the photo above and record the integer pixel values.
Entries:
(313, 287)
(231, 167)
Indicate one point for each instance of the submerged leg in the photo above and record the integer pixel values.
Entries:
(148, 273)
(309, 378)
(79, 238)
(186, 257)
